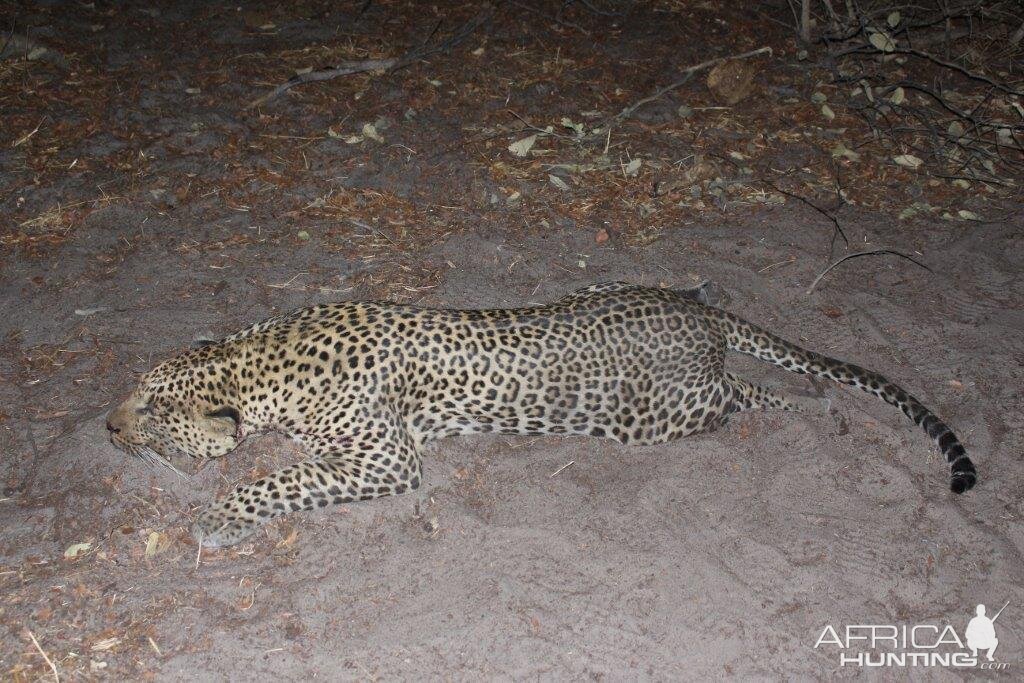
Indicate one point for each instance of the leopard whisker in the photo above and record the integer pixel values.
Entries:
(153, 458)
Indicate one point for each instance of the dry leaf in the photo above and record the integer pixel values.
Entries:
(575, 127)
(521, 148)
(105, 644)
(77, 549)
(156, 543)
(908, 160)
(841, 150)
(370, 131)
(289, 539)
(882, 41)
(700, 171)
(558, 182)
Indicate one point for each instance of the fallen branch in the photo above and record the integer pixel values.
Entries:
(962, 70)
(982, 141)
(344, 69)
(836, 228)
(872, 252)
(390, 65)
(689, 72)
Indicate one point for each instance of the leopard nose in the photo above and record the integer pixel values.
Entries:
(112, 429)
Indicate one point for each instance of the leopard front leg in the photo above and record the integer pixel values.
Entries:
(381, 461)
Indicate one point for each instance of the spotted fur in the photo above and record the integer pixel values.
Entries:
(364, 386)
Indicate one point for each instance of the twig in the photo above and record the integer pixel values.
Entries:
(146, 502)
(956, 67)
(984, 140)
(864, 253)
(561, 469)
(33, 469)
(285, 285)
(53, 667)
(345, 69)
(604, 128)
(556, 19)
(805, 21)
(975, 143)
(24, 138)
(393, 64)
(791, 259)
(689, 72)
(437, 25)
(540, 131)
(10, 36)
(836, 228)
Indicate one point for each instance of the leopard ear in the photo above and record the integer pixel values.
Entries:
(226, 412)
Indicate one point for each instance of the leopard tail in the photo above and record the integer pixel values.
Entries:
(748, 338)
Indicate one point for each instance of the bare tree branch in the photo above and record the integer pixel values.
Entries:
(392, 64)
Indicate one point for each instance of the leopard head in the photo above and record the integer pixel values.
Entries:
(184, 408)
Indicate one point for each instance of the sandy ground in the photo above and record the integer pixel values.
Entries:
(724, 554)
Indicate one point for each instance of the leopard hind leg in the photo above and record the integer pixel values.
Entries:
(749, 396)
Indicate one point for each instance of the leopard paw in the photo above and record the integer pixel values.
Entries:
(216, 527)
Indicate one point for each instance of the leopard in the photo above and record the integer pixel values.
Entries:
(365, 386)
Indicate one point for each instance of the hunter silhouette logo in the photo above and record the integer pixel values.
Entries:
(917, 645)
(981, 632)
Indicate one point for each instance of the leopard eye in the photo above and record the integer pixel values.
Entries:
(144, 410)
